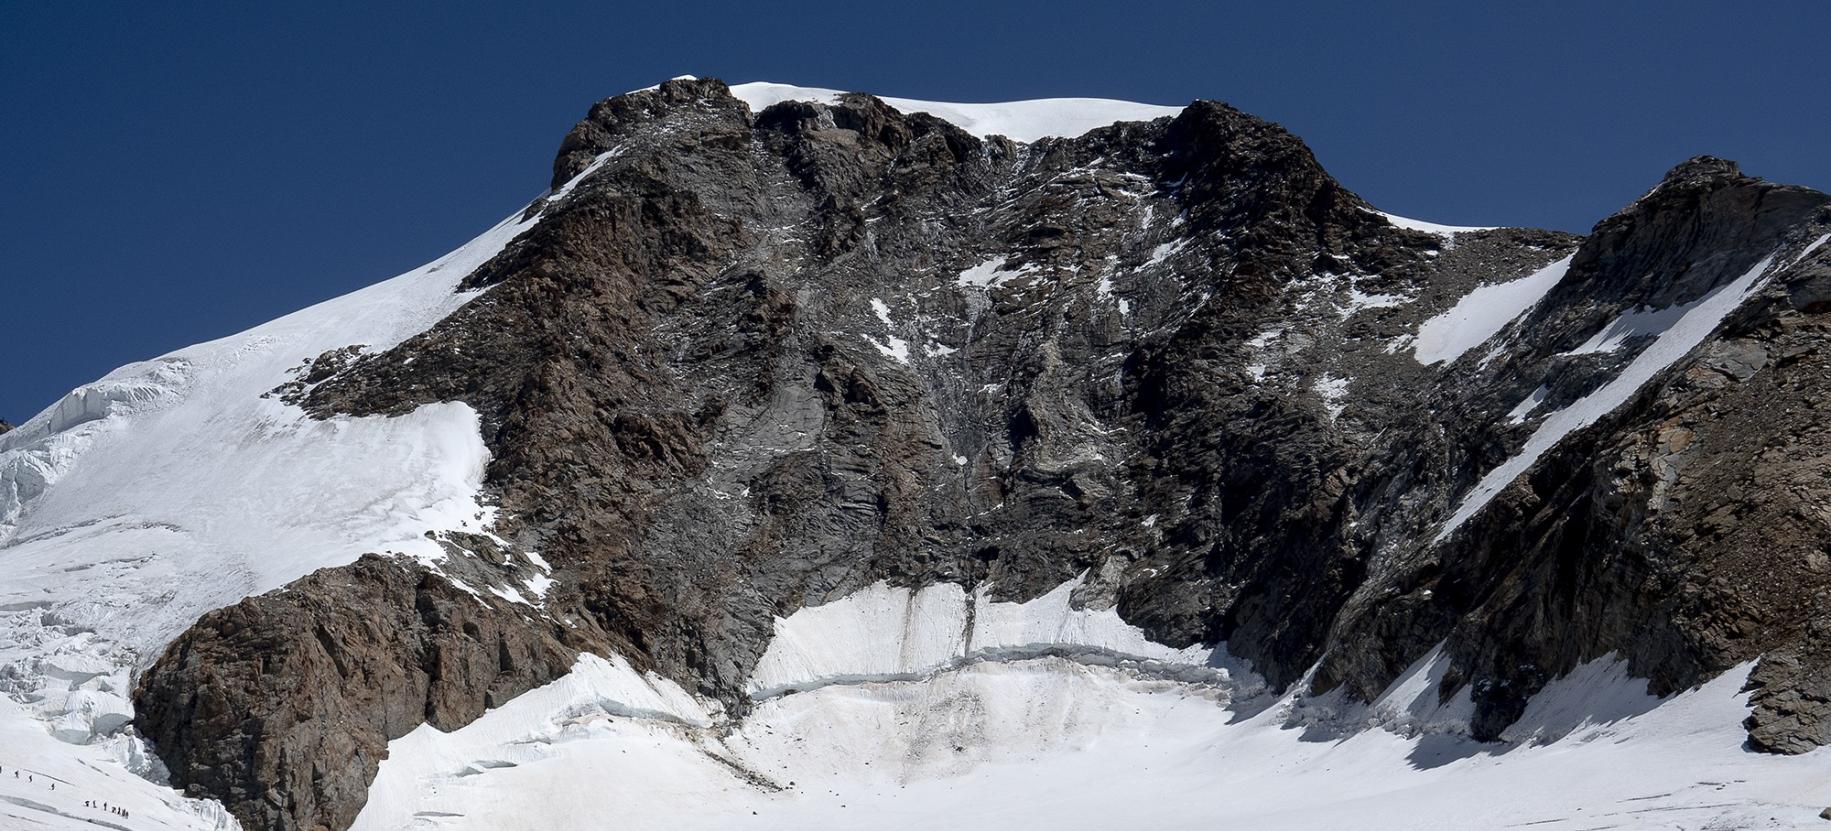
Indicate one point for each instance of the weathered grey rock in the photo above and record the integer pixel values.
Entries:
(760, 360)
(1790, 690)
(1811, 291)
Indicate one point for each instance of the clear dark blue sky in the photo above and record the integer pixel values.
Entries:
(171, 173)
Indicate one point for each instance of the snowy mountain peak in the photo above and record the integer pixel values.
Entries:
(799, 457)
(1017, 120)
(1024, 121)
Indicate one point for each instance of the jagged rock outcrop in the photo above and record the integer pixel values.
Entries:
(5, 427)
(282, 705)
(751, 361)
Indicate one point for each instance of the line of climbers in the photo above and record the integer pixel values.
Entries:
(87, 803)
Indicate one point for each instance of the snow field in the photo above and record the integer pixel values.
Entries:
(1015, 740)
(108, 770)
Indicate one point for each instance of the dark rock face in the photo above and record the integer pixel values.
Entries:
(5, 427)
(758, 360)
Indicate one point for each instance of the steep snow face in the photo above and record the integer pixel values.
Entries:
(903, 733)
(174, 486)
(1017, 120)
(1683, 328)
(1433, 227)
(887, 633)
(1482, 313)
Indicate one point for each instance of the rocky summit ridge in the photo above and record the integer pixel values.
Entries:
(752, 361)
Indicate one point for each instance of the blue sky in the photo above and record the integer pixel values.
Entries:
(171, 173)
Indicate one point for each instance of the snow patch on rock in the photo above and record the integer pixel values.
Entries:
(1524, 409)
(1638, 323)
(1333, 391)
(1482, 313)
(1433, 227)
(892, 346)
(991, 274)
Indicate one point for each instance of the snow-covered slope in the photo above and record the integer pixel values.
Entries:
(1432, 227)
(887, 733)
(1482, 314)
(176, 485)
